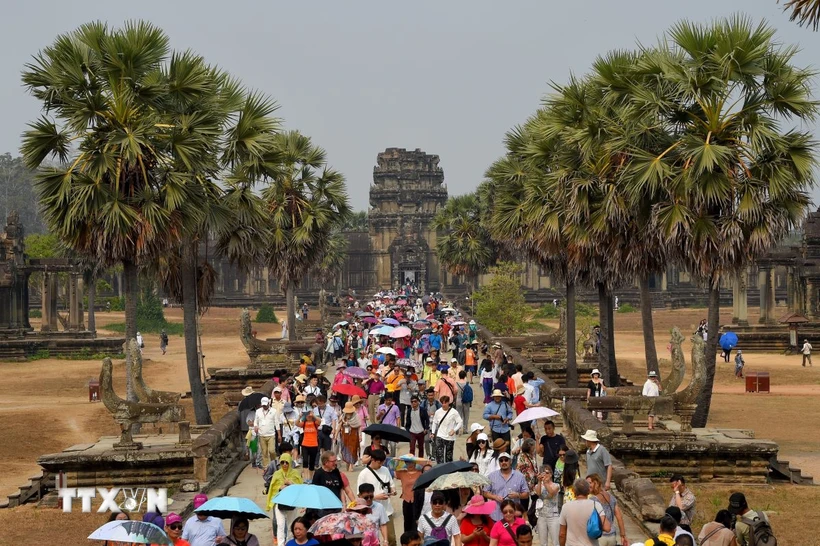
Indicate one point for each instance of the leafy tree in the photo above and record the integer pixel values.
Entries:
(735, 177)
(499, 304)
(805, 12)
(356, 221)
(266, 314)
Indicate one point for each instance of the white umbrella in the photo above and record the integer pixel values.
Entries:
(388, 351)
(531, 414)
(131, 531)
(448, 310)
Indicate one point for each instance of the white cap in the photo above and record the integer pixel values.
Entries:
(505, 454)
(482, 436)
(277, 389)
(454, 360)
(265, 401)
(476, 426)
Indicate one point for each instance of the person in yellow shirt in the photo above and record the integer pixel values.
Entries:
(666, 534)
(431, 375)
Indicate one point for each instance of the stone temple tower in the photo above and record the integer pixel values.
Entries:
(408, 189)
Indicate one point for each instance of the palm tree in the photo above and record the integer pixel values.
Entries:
(305, 202)
(463, 244)
(329, 269)
(805, 12)
(734, 182)
(101, 91)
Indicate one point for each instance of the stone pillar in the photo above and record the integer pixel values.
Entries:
(73, 303)
(763, 283)
(663, 282)
(743, 300)
(735, 297)
(49, 321)
(770, 294)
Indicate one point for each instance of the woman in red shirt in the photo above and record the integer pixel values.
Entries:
(476, 524)
(503, 532)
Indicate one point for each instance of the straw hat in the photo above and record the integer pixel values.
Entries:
(349, 408)
(356, 399)
(247, 391)
(497, 392)
(500, 444)
(300, 398)
(301, 378)
(520, 390)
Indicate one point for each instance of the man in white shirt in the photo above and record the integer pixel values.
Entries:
(806, 350)
(445, 427)
(266, 424)
(377, 514)
(652, 387)
(328, 419)
(379, 477)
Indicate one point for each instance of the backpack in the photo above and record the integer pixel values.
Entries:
(354, 343)
(439, 533)
(467, 394)
(760, 531)
(594, 528)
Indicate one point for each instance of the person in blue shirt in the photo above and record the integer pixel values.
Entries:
(499, 413)
(435, 340)
(299, 529)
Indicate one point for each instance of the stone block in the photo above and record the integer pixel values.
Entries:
(643, 493)
(189, 486)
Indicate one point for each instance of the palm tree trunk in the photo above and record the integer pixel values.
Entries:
(322, 306)
(129, 270)
(572, 365)
(189, 313)
(603, 323)
(290, 295)
(614, 377)
(648, 327)
(713, 319)
(92, 299)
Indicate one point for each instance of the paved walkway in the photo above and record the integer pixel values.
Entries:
(250, 485)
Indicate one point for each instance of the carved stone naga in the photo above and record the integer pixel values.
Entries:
(144, 393)
(681, 403)
(260, 352)
(128, 413)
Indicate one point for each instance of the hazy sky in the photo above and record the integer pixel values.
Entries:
(449, 77)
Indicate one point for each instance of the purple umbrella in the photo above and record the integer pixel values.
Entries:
(356, 372)
(391, 322)
(370, 320)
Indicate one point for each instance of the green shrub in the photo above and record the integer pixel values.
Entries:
(547, 312)
(585, 310)
(35, 313)
(117, 303)
(266, 314)
(626, 308)
(499, 304)
(149, 309)
(171, 328)
(41, 354)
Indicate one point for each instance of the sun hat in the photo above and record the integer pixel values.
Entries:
(504, 455)
(652, 373)
(300, 398)
(277, 389)
(482, 436)
(497, 345)
(199, 500)
(454, 359)
(356, 399)
(341, 365)
(247, 391)
(319, 372)
(356, 505)
(500, 444)
(571, 457)
(349, 408)
(287, 408)
(301, 378)
(430, 360)
(590, 436)
(478, 506)
(520, 390)
(497, 392)
(173, 518)
(476, 426)
(265, 401)
(595, 371)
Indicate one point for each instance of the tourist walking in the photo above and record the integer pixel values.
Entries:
(683, 498)
(410, 508)
(140, 342)
(504, 531)
(464, 399)
(611, 509)
(505, 483)
(718, 532)
(598, 458)
(417, 423)
(328, 475)
(483, 454)
(163, 341)
(430, 405)
(476, 525)
(438, 523)
(328, 422)
(445, 427)
(349, 431)
(739, 363)
(576, 514)
(488, 375)
(499, 414)
(200, 530)
(596, 388)
(548, 516)
(806, 350)
(651, 388)
(375, 511)
(173, 528)
(285, 476)
(549, 446)
(266, 425)
(310, 441)
(378, 476)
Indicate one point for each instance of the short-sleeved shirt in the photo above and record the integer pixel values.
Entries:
(382, 482)
(687, 499)
(502, 534)
(650, 388)
(503, 486)
(597, 461)
(551, 448)
(451, 527)
(310, 542)
(377, 514)
(332, 480)
(595, 389)
(202, 533)
(468, 528)
(575, 515)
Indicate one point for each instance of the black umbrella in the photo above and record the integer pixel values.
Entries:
(440, 470)
(427, 331)
(388, 432)
(251, 401)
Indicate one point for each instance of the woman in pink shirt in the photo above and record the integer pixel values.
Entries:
(503, 532)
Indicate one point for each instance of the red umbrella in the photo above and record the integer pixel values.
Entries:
(349, 390)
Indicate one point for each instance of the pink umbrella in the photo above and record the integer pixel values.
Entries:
(391, 322)
(401, 302)
(370, 320)
(401, 331)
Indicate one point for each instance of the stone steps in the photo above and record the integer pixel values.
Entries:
(782, 470)
(27, 493)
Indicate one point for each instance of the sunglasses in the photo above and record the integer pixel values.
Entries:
(508, 512)
(175, 526)
(368, 497)
(482, 441)
(561, 454)
(284, 463)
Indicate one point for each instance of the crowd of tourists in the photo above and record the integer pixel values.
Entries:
(386, 365)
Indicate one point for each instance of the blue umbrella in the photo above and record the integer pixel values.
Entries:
(228, 507)
(308, 496)
(391, 321)
(131, 531)
(728, 340)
